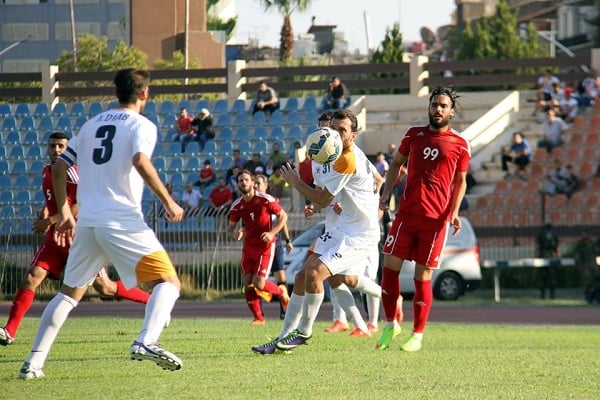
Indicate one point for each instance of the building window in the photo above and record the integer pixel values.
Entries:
(22, 31)
(62, 30)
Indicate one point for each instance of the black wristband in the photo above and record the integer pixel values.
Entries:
(287, 241)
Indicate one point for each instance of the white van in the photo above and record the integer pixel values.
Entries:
(459, 270)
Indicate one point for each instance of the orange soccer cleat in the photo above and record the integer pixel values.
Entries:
(338, 327)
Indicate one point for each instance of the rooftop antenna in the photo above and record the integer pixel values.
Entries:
(367, 31)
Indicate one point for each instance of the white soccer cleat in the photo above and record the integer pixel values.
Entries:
(153, 352)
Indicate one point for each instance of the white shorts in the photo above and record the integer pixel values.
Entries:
(372, 263)
(343, 254)
(137, 256)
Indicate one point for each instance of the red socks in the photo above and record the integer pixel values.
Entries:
(21, 304)
(271, 287)
(253, 302)
(133, 294)
(421, 305)
(390, 291)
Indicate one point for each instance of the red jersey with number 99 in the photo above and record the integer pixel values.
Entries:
(434, 159)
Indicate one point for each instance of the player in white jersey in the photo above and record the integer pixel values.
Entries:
(113, 153)
(340, 253)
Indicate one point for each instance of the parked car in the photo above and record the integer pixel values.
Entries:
(459, 271)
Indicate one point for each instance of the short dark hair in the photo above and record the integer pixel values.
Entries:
(326, 116)
(130, 83)
(347, 114)
(59, 135)
(446, 91)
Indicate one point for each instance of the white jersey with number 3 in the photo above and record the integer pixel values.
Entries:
(110, 188)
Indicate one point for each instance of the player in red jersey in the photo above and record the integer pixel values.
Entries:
(438, 160)
(256, 211)
(50, 259)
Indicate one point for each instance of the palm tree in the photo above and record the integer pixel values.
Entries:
(286, 8)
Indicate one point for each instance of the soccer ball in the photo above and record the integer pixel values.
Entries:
(324, 145)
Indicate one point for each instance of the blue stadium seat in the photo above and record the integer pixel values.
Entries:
(242, 133)
(34, 152)
(209, 149)
(5, 181)
(167, 107)
(79, 121)
(63, 124)
(191, 177)
(155, 120)
(193, 164)
(23, 197)
(9, 124)
(175, 165)
(158, 150)
(19, 167)
(221, 107)
(261, 147)
(310, 103)
(27, 124)
(22, 110)
(177, 179)
(208, 224)
(226, 148)
(7, 197)
(312, 117)
(5, 169)
(173, 149)
(36, 169)
(41, 110)
(226, 134)
(159, 163)
(277, 133)
(258, 119)
(239, 106)
(187, 105)
(59, 110)
(2, 153)
(240, 119)
(245, 147)
(192, 148)
(200, 105)
(150, 108)
(77, 109)
(95, 109)
(276, 118)
(291, 104)
(25, 211)
(22, 182)
(5, 111)
(226, 163)
(31, 137)
(13, 137)
(17, 152)
(293, 118)
(7, 211)
(170, 135)
(38, 197)
(260, 133)
(45, 124)
(168, 121)
(294, 133)
(36, 182)
(115, 104)
(223, 120)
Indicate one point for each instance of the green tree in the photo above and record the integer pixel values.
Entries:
(286, 8)
(93, 54)
(388, 51)
(214, 23)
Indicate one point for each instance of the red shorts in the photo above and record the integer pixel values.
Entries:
(51, 257)
(257, 263)
(418, 239)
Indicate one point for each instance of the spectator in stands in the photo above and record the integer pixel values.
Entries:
(206, 177)
(219, 200)
(546, 86)
(552, 129)
(518, 154)
(276, 183)
(584, 253)
(266, 99)
(568, 106)
(292, 154)
(277, 157)
(202, 126)
(389, 155)
(381, 164)
(589, 90)
(561, 180)
(232, 181)
(185, 133)
(191, 200)
(238, 162)
(547, 247)
(338, 95)
(255, 165)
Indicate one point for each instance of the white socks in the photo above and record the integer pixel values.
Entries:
(158, 311)
(368, 286)
(338, 313)
(54, 316)
(292, 315)
(310, 310)
(348, 304)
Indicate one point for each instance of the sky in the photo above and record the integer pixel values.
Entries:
(348, 15)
